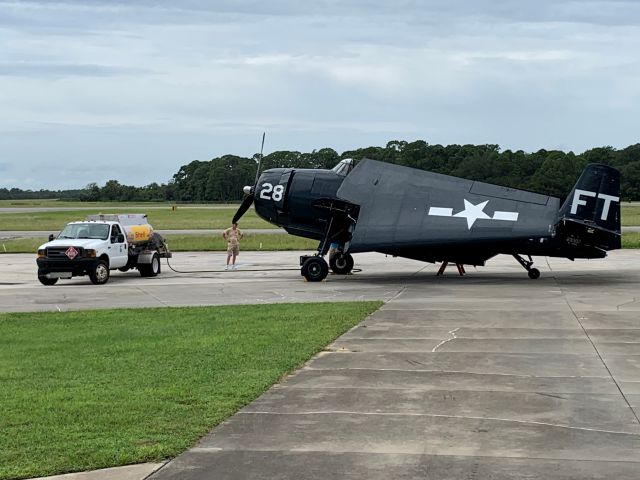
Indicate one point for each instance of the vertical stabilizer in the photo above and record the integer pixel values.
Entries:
(593, 207)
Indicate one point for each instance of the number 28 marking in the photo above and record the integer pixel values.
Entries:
(269, 192)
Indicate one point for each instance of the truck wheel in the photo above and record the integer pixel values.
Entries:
(315, 269)
(99, 275)
(151, 270)
(341, 263)
(47, 281)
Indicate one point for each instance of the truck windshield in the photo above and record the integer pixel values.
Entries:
(85, 230)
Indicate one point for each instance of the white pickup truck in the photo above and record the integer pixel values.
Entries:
(99, 244)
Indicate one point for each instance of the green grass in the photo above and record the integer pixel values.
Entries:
(206, 243)
(87, 390)
(21, 245)
(189, 243)
(164, 219)
(54, 203)
(631, 240)
(269, 242)
(630, 215)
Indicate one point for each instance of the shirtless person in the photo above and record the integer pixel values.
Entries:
(233, 236)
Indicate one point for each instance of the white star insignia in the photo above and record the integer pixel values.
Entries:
(473, 212)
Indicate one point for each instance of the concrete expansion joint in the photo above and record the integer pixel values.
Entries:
(436, 415)
(466, 372)
(595, 348)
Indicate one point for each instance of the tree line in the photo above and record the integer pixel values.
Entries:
(550, 172)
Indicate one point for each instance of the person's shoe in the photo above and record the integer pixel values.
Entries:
(226, 267)
(233, 267)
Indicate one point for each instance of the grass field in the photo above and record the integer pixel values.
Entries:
(206, 243)
(164, 219)
(631, 240)
(190, 243)
(184, 217)
(53, 203)
(86, 390)
(630, 215)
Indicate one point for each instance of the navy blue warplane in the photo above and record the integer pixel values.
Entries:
(406, 212)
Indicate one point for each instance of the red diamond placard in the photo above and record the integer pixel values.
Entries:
(71, 253)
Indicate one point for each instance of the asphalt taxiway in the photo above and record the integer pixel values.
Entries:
(491, 375)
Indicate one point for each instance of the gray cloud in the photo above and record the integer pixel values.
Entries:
(146, 86)
(43, 70)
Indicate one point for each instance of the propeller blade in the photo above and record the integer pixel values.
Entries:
(260, 159)
(244, 206)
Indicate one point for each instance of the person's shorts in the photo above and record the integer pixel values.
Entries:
(233, 250)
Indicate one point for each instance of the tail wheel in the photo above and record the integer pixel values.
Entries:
(341, 263)
(99, 274)
(315, 269)
(534, 273)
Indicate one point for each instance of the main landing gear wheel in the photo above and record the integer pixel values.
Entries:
(341, 263)
(534, 273)
(315, 269)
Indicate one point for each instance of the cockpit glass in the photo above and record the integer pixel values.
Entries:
(344, 167)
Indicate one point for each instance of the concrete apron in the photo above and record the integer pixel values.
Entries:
(461, 379)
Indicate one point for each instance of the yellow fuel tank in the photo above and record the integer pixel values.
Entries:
(138, 233)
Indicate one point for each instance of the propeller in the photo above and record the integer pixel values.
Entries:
(249, 190)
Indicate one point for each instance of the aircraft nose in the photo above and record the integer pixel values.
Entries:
(247, 189)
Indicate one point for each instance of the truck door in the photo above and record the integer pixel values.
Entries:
(117, 249)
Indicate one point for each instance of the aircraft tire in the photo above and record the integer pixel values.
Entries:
(534, 273)
(341, 263)
(315, 269)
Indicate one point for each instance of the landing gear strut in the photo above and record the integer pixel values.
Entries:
(341, 221)
(533, 273)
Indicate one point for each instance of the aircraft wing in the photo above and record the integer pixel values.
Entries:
(401, 206)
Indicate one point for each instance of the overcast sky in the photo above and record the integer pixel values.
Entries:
(92, 90)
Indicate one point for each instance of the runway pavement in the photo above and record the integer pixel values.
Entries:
(491, 375)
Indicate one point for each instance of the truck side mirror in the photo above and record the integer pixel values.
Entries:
(51, 237)
(120, 238)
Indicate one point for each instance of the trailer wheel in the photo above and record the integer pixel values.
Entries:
(47, 281)
(99, 274)
(151, 270)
